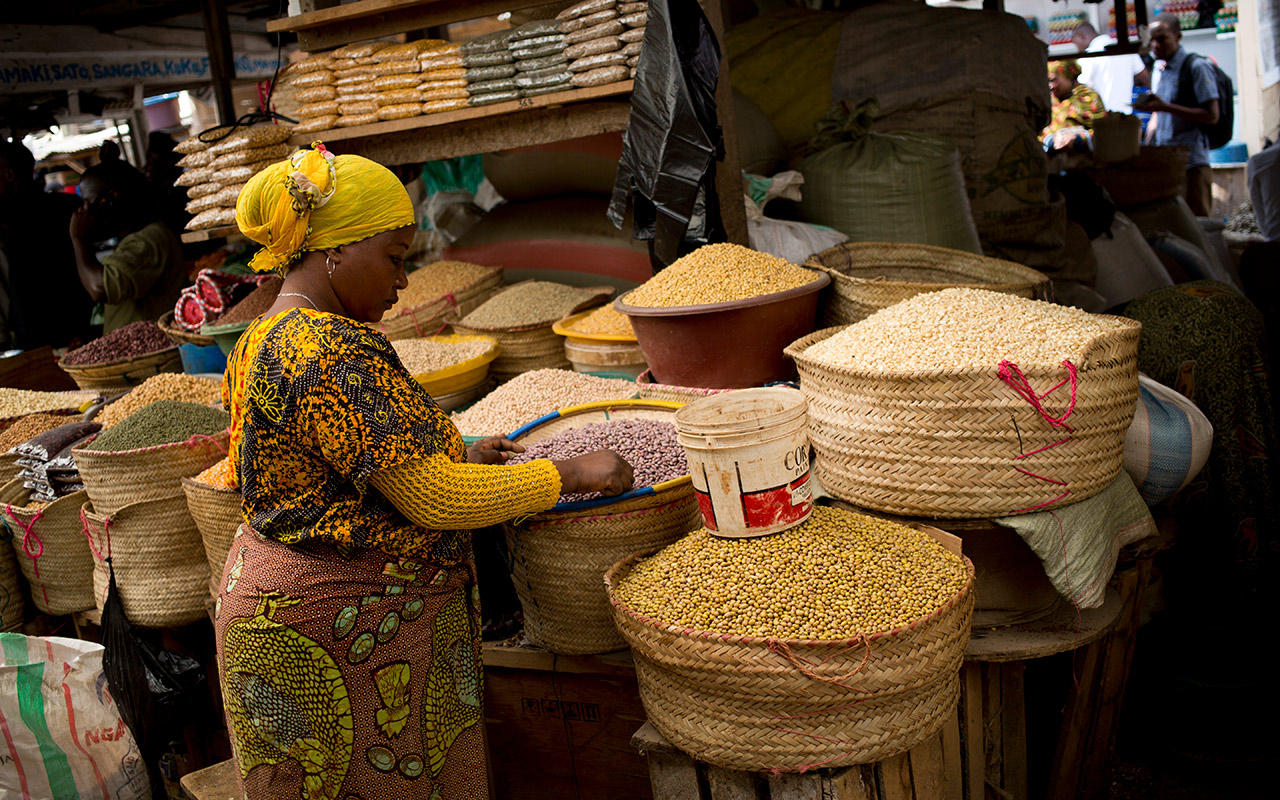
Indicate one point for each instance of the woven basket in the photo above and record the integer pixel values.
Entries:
(557, 564)
(179, 335)
(955, 444)
(115, 480)
(522, 349)
(13, 607)
(9, 468)
(652, 390)
(869, 276)
(159, 562)
(124, 374)
(51, 550)
(428, 319)
(757, 704)
(217, 513)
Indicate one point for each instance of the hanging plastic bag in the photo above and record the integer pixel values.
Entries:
(66, 737)
(794, 241)
(672, 139)
(157, 690)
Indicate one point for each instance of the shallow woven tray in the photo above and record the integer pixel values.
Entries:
(758, 704)
(869, 276)
(125, 373)
(962, 443)
(179, 335)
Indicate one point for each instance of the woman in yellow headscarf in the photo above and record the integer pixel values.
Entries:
(348, 620)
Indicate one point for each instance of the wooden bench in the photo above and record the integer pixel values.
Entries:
(212, 783)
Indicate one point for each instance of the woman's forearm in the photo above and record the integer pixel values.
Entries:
(89, 269)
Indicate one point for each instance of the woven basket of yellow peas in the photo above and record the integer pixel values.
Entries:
(836, 642)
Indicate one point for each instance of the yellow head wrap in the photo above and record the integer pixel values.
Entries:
(315, 201)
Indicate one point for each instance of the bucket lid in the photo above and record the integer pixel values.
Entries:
(741, 410)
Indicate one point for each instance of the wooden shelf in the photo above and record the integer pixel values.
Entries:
(485, 129)
(369, 19)
(208, 234)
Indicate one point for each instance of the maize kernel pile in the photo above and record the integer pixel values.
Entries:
(604, 321)
(835, 576)
(719, 273)
(960, 329)
(424, 356)
(433, 280)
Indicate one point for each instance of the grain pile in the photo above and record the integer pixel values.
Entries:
(27, 428)
(719, 273)
(962, 329)
(20, 402)
(216, 171)
(593, 46)
(134, 340)
(529, 303)
(424, 356)
(165, 386)
(835, 576)
(255, 304)
(432, 281)
(648, 445)
(533, 394)
(604, 321)
(218, 476)
(165, 422)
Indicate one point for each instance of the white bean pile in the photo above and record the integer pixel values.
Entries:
(530, 395)
(648, 445)
(423, 356)
(960, 329)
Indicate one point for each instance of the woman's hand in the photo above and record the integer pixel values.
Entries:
(492, 450)
(80, 221)
(603, 471)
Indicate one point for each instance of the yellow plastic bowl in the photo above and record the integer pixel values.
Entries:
(459, 376)
(562, 328)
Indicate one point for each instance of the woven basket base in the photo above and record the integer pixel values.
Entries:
(61, 578)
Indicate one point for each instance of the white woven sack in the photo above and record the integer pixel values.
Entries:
(1168, 443)
(1127, 266)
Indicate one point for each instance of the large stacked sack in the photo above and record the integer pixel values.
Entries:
(310, 82)
(593, 45)
(443, 82)
(538, 48)
(490, 70)
(216, 171)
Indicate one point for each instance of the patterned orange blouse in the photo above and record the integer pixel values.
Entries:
(319, 404)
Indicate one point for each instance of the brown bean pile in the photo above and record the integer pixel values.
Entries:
(132, 341)
(254, 304)
(29, 427)
(648, 445)
(165, 386)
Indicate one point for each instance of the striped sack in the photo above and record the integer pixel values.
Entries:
(1168, 443)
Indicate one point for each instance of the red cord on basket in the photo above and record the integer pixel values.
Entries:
(1010, 374)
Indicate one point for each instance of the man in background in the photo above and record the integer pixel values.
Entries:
(1112, 77)
(41, 301)
(1180, 111)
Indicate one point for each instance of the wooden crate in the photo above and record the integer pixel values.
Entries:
(561, 726)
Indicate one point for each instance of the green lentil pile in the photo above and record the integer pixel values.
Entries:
(835, 576)
(529, 303)
(161, 423)
(719, 273)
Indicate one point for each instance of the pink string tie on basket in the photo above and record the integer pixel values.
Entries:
(1010, 374)
(29, 535)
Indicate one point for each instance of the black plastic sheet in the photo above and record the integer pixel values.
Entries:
(152, 687)
(672, 139)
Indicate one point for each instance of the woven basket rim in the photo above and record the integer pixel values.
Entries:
(673, 491)
(945, 257)
(620, 570)
(81, 494)
(796, 351)
(190, 444)
(157, 355)
(423, 306)
(165, 323)
(199, 486)
(133, 508)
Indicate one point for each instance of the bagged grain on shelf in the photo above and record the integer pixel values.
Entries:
(203, 203)
(592, 47)
(306, 80)
(212, 218)
(442, 58)
(614, 59)
(352, 82)
(489, 98)
(444, 83)
(443, 74)
(588, 21)
(202, 158)
(356, 107)
(604, 30)
(550, 89)
(479, 74)
(393, 53)
(314, 94)
(352, 120)
(399, 111)
(632, 35)
(444, 93)
(312, 63)
(534, 30)
(490, 59)
(484, 88)
(191, 144)
(253, 155)
(242, 173)
(601, 76)
(632, 49)
(323, 108)
(536, 48)
(358, 49)
(317, 124)
(540, 79)
(398, 96)
(387, 83)
(253, 136)
(435, 106)
(203, 189)
(631, 8)
(546, 62)
(395, 68)
(194, 176)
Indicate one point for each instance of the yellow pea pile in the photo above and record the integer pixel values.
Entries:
(835, 576)
(604, 321)
(719, 273)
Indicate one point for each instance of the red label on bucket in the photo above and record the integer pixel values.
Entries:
(790, 503)
(708, 510)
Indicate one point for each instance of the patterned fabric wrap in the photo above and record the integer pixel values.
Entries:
(350, 673)
(1077, 111)
(315, 201)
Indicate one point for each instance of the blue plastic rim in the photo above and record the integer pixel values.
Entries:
(197, 359)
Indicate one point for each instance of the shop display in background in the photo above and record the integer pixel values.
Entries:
(1063, 26)
(217, 170)
(1187, 12)
(1130, 14)
(1227, 17)
(533, 394)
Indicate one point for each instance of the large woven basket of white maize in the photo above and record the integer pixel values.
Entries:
(869, 276)
(558, 556)
(757, 704)
(963, 443)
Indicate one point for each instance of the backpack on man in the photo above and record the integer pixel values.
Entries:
(1219, 132)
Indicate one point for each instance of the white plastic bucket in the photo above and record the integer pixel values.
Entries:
(748, 456)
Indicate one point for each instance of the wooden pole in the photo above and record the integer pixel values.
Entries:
(733, 212)
(222, 66)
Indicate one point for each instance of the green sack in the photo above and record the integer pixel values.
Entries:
(886, 187)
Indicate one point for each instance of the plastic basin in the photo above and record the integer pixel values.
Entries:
(733, 345)
(198, 359)
(462, 376)
(226, 336)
